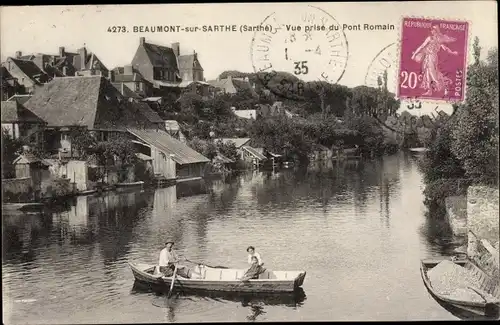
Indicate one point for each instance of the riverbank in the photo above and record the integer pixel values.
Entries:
(474, 218)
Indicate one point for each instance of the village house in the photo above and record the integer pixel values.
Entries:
(64, 63)
(232, 85)
(26, 73)
(172, 159)
(88, 102)
(252, 157)
(10, 86)
(162, 67)
(130, 82)
(22, 124)
(276, 109)
(320, 153)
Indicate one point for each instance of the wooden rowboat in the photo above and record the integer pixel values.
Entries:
(227, 280)
(489, 307)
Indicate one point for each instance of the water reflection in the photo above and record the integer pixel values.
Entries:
(351, 221)
(255, 303)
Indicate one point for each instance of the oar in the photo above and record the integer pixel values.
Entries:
(173, 280)
(214, 267)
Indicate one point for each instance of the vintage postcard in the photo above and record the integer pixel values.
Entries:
(240, 162)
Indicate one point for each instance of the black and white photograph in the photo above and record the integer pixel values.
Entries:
(250, 162)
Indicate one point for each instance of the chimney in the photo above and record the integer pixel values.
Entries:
(18, 54)
(83, 57)
(61, 51)
(176, 48)
(142, 40)
(111, 75)
(39, 61)
(127, 70)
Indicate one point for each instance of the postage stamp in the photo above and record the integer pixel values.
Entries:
(433, 59)
(307, 45)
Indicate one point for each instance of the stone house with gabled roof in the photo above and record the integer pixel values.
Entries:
(131, 83)
(10, 86)
(190, 67)
(156, 63)
(27, 73)
(168, 71)
(89, 102)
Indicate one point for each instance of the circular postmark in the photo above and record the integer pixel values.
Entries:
(300, 47)
(382, 73)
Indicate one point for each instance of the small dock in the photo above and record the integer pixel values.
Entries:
(22, 207)
(188, 179)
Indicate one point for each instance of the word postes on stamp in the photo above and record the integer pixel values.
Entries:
(433, 59)
(303, 46)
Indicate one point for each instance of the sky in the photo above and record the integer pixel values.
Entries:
(43, 29)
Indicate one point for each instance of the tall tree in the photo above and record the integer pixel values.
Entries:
(475, 138)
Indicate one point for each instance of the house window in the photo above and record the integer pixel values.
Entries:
(160, 74)
(137, 86)
(64, 137)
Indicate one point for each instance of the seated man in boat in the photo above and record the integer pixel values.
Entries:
(168, 259)
(254, 270)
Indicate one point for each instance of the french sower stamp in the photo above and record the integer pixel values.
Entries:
(433, 59)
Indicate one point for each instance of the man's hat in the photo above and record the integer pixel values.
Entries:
(169, 241)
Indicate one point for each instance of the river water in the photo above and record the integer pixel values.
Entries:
(358, 229)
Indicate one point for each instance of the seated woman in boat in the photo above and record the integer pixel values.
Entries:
(168, 259)
(254, 270)
(252, 253)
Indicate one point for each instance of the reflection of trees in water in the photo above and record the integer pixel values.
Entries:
(223, 193)
(438, 233)
(22, 234)
(191, 188)
(117, 218)
(320, 183)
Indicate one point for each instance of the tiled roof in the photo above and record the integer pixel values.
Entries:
(254, 152)
(12, 112)
(151, 115)
(223, 159)
(182, 154)
(189, 61)
(238, 142)
(29, 68)
(222, 83)
(161, 56)
(243, 85)
(87, 101)
(93, 62)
